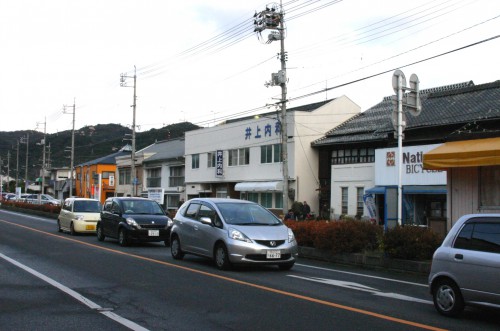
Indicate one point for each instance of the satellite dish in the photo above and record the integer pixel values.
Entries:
(395, 78)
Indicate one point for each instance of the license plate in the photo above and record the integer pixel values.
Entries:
(90, 227)
(274, 254)
(154, 233)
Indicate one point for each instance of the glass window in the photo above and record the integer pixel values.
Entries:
(489, 179)
(192, 210)
(360, 203)
(252, 196)
(239, 156)
(266, 200)
(278, 200)
(266, 154)
(124, 176)
(211, 160)
(153, 177)
(195, 161)
(344, 197)
(176, 176)
(483, 237)
(277, 153)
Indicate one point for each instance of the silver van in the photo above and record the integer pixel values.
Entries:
(465, 269)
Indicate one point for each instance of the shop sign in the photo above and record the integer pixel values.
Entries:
(219, 164)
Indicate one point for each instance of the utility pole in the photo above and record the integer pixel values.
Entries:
(132, 163)
(273, 19)
(43, 154)
(72, 157)
(25, 140)
(17, 165)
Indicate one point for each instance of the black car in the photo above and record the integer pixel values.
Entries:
(133, 219)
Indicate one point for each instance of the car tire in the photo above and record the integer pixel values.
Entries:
(122, 237)
(175, 248)
(286, 266)
(447, 298)
(59, 229)
(221, 257)
(72, 229)
(100, 233)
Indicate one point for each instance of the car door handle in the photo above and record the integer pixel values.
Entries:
(459, 256)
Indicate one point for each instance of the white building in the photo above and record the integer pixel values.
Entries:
(242, 158)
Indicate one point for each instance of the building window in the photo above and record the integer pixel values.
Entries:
(489, 195)
(277, 153)
(359, 202)
(211, 163)
(124, 176)
(176, 177)
(266, 154)
(278, 200)
(344, 201)
(266, 200)
(221, 192)
(153, 177)
(354, 155)
(239, 157)
(195, 161)
(172, 201)
(252, 196)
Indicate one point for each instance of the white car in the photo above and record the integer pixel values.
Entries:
(79, 215)
(44, 199)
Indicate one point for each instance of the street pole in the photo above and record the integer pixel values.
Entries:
(26, 169)
(72, 157)
(400, 147)
(132, 156)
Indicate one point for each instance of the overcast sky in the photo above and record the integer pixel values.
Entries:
(200, 61)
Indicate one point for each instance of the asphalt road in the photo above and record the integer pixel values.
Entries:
(55, 281)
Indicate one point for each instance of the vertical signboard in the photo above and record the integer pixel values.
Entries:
(219, 170)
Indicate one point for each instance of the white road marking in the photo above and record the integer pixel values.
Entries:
(362, 275)
(92, 305)
(361, 287)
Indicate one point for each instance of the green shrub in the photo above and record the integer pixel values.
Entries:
(411, 243)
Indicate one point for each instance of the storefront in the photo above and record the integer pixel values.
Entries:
(424, 191)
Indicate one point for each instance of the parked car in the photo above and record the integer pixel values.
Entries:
(232, 231)
(131, 219)
(466, 267)
(79, 215)
(9, 197)
(41, 199)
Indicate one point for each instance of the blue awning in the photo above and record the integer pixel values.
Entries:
(376, 190)
(424, 189)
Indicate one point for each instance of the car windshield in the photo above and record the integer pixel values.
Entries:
(247, 214)
(83, 206)
(142, 207)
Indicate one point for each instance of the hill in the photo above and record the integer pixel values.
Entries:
(91, 142)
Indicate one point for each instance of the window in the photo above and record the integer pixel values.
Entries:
(479, 236)
(270, 153)
(355, 155)
(124, 176)
(359, 201)
(344, 197)
(239, 156)
(195, 161)
(211, 163)
(266, 200)
(176, 176)
(489, 177)
(252, 196)
(278, 200)
(221, 192)
(153, 177)
(266, 154)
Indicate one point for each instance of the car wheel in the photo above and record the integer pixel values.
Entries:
(447, 298)
(122, 237)
(100, 233)
(59, 226)
(72, 229)
(287, 266)
(175, 248)
(221, 257)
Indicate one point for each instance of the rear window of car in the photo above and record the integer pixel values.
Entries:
(480, 236)
(83, 206)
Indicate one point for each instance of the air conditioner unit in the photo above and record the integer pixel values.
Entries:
(180, 188)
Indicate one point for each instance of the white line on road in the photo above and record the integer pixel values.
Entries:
(362, 275)
(76, 295)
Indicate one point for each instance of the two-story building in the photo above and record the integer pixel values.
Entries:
(242, 158)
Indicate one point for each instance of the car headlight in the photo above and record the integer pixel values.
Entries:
(132, 222)
(238, 235)
(169, 223)
(291, 236)
(80, 218)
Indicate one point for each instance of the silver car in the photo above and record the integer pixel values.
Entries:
(465, 269)
(232, 231)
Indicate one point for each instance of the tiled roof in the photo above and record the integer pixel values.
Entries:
(445, 105)
(108, 159)
(166, 150)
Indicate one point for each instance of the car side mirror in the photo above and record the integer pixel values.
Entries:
(206, 220)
